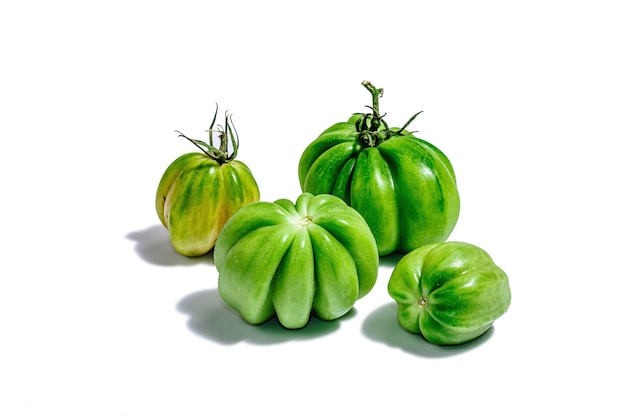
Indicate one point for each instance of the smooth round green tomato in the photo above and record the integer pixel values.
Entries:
(450, 292)
(403, 186)
(288, 260)
(199, 192)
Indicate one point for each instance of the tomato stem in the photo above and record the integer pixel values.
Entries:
(371, 133)
(225, 134)
(372, 128)
(376, 94)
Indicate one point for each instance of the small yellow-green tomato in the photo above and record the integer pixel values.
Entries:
(450, 292)
(199, 192)
(317, 256)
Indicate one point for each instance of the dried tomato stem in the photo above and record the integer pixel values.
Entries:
(226, 134)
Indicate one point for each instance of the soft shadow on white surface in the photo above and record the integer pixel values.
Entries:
(382, 326)
(212, 319)
(153, 245)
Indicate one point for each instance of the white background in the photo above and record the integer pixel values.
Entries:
(98, 315)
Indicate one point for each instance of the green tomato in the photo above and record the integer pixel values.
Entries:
(288, 260)
(404, 187)
(449, 292)
(199, 192)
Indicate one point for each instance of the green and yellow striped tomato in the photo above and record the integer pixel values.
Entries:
(288, 260)
(450, 292)
(404, 187)
(199, 192)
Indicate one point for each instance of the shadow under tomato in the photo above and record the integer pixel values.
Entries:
(390, 260)
(153, 245)
(211, 318)
(382, 326)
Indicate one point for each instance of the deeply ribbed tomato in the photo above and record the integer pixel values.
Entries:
(404, 187)
(199, 192)
(291, 260)
(450, 292)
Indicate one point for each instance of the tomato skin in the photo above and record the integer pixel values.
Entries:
(288, 260)
(450, 293)
(197, 195)
(404, 187)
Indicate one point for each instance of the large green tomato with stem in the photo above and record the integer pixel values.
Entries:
(317, 256)
(449, 292)
(199, 192)
(403, 186)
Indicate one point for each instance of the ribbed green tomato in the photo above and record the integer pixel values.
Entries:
(404, 187)
(288, 260)
(199, 192)
(450, 292)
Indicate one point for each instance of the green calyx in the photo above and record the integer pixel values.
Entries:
(371, 127)
(225, 134)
